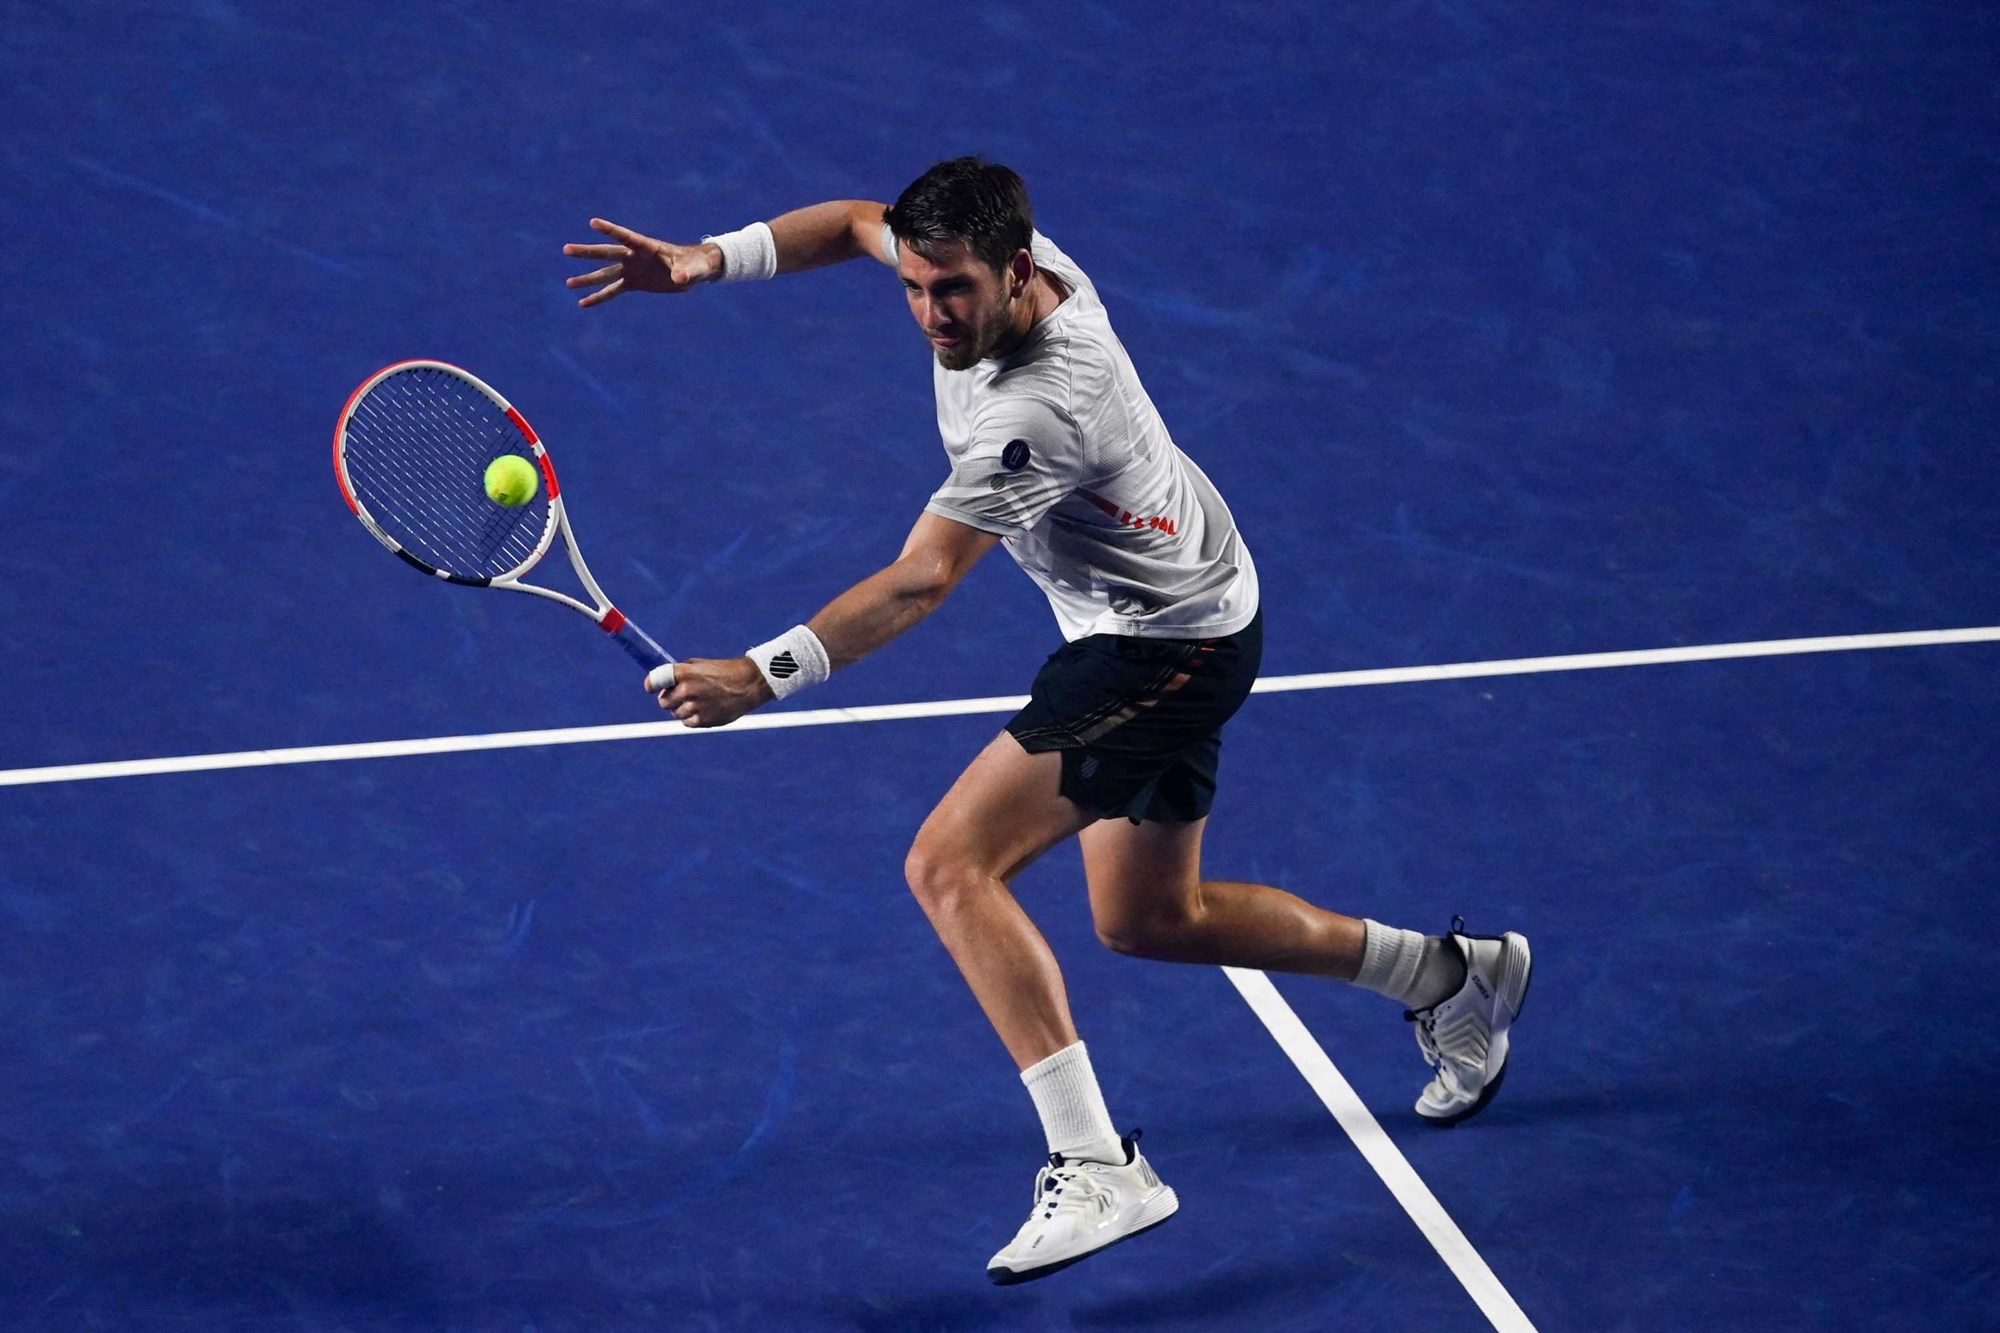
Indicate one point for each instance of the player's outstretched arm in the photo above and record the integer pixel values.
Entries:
(828, 233)
(937, 556)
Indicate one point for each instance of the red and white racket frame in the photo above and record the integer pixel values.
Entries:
(603, 614)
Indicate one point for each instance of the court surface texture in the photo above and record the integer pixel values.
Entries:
(1512, 333)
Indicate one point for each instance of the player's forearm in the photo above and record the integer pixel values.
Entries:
(829, 233)
(879, 608)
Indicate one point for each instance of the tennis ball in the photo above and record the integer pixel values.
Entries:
(511, 480)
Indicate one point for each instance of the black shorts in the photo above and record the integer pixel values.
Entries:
(1139, 721)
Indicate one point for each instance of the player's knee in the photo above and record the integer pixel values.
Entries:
(1120, 937)
(934, 875)
(919, 871)
(1146, 934)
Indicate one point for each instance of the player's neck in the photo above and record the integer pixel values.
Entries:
(1037, 304)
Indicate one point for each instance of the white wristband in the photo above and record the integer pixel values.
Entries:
(748, 255)
(792, 661)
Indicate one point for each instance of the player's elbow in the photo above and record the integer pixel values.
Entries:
(927, 578)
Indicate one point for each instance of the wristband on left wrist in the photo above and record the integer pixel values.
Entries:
(748, 255)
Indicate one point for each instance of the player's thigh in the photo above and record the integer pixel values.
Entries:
(1142, 874)
(1005, 810)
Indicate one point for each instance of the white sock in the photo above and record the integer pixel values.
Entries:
(1072, 1109)
(1415, 970)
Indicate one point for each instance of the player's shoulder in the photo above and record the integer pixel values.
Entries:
(1050, 256)
(1071, 355)
(1026, 402)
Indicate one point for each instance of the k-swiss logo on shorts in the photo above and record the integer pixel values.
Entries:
(1089, 767)
(1015, 456)
(784, 665)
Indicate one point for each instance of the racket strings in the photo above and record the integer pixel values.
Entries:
(383, 474)
(417, 447)
(406, 473)
(406, 504)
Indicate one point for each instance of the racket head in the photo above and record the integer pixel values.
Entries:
(411, 450)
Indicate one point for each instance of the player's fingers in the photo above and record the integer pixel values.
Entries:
(576, 251)
(603, 294)
(625, 234)
(604, 274)
(661, 678)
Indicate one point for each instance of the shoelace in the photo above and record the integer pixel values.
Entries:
(1446, 1072)
(1426, 1035)
(1426, 1020)
(1060, 1186)
(1053, 1180)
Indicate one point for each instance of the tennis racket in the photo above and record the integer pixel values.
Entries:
(411, 452)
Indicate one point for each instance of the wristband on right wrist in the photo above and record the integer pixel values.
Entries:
(792, 661)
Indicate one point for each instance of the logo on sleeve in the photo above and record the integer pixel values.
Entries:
(1015, 456)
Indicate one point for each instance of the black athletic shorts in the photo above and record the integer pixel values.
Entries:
(1139, 721)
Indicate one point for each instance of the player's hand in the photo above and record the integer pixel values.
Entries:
(714, 693)
(642, 264)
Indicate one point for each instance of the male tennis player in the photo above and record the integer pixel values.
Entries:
(1057, 452)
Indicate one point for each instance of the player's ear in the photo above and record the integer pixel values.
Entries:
(1020, 272)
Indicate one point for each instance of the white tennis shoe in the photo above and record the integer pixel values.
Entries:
(1465, 1037)
(1081, 1207)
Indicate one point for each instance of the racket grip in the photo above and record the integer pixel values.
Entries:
(636, 642)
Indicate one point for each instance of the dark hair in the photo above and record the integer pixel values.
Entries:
(966, 199)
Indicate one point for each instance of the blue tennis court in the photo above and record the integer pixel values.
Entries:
(1509, 332)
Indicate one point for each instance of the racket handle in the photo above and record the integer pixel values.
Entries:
(635, 640)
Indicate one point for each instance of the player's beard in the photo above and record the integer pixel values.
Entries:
(978, 347)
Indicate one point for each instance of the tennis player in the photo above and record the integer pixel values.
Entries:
(1057, 453)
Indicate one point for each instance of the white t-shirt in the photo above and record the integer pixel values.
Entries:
(1057, 450)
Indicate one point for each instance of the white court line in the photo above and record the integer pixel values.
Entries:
(499, 740)
(821, 717)
(1379, 1152)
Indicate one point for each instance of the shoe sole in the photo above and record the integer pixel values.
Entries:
(1009, 1277)
(1492, 1088)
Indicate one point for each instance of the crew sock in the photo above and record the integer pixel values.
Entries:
(1415, 970)
(1072, 1109)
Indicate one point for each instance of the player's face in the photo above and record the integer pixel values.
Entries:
(961, 304)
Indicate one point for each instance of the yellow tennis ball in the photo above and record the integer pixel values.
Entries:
(511, 480)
